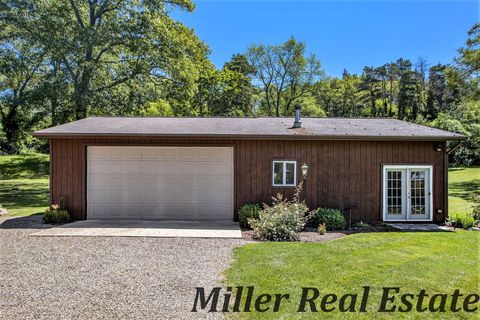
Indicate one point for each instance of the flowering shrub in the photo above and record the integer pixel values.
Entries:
(56, 213)
(283, 220)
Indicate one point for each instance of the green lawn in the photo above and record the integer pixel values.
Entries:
(436, 262)
(24, 187)
(461, 183)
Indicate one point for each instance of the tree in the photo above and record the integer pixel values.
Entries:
(393, 73)
(470, 55)
(339, 97)
(436, 89)
(371, 86)
(239, 63)
(409, 102)
(232, 94)
(284, 74)
(20, 67)
(225, 92)
(237, 96)
(381, 74)
(100, 46)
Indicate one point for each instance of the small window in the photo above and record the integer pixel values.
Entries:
(284, 173)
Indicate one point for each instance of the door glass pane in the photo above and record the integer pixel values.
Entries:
(417, 189)
(290, 173)
(394, 192)
(278, 173)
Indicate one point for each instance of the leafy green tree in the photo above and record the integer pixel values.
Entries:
(20, 67)
(340, 97)
(236, 98)
(284, 74)
(239, 63)
(103, 45)
(225, 92)
(310, 107)
(158, 108)
(470, 55)
(232, 94)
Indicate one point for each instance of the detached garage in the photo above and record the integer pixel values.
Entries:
(206, 168)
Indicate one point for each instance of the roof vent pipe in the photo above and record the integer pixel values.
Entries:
(298, 117)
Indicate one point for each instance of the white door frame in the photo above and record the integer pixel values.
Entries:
(407, 167)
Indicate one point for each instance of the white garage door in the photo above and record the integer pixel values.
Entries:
(160, 183)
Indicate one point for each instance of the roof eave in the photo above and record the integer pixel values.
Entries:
(40, 134)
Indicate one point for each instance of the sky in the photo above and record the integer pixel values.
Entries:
(342, 34)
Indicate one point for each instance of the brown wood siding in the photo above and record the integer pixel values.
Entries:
(342, 174)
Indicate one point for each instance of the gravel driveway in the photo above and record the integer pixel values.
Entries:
(105, 278)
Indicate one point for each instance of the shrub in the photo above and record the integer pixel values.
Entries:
(246, 212)
(332, 218)
(461, 220)
(56, 213)
(283, 220)
(322, 228)
(476, 206)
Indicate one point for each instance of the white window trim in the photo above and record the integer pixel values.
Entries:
(384, 191)
(284, 184)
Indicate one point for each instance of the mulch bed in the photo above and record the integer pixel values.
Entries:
(311, 235)
(305, 236)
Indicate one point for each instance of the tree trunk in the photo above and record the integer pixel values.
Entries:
(11, 127)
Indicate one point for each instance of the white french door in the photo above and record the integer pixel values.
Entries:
(407, 193)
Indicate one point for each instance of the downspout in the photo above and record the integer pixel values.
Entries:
(455, 147)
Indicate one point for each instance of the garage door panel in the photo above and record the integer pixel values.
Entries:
(205, 196)
(222, 196)
(98, 153)
(186, 169)
(120, 212)
(152, 153)
(131, 153)
(188, 153)
(133, 181)
(205, 154)
(100, 181)
(185, 182)
(166, 168)
(133, 167)
(223, 169)
(150, 167)
(223, 181)
(185, 196)
(204, 182)
(105, 167)
(167, 153)
(222, 154)
(181, 183)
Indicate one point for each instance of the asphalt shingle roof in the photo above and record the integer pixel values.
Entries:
(275, 128)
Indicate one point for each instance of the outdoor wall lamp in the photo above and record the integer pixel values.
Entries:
(437, 147)
(304, 170)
